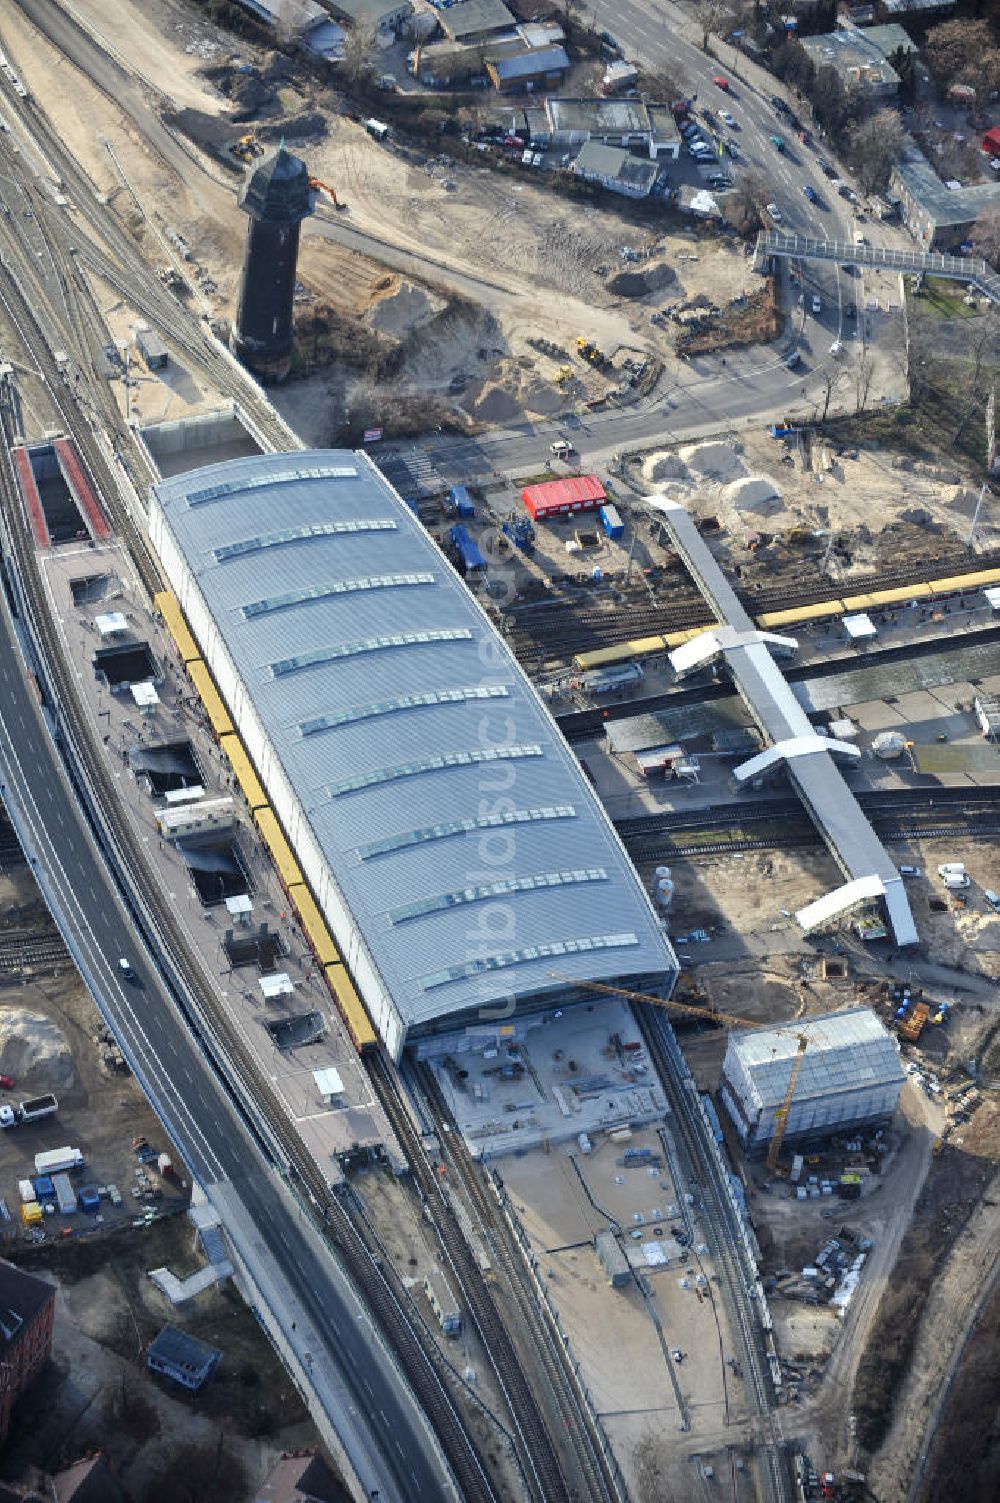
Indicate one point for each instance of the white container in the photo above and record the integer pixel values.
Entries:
(26, 1190)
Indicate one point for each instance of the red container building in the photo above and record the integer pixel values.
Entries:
(561, 498)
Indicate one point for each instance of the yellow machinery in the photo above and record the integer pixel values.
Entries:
(246, 148)
(782, 1113)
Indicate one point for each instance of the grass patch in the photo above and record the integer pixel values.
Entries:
(944, 299)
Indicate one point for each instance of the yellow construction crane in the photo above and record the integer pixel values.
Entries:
(781, 1113)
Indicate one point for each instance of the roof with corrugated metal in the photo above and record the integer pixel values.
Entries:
(846, 1051)
(471, 850)
(565, 492)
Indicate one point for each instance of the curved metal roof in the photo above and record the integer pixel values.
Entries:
(472, 852)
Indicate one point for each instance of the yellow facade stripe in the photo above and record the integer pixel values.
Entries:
(218, 715)
(248, 780)
(314, 925)
(167, 604)
(352, 1009)
(281, 851)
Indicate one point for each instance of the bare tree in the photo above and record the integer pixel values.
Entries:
(876, 145)
(986, 236)
(360, 50)
(864, 373)
(834, 377)
(712, 15)
(665, 83)
(747, 209)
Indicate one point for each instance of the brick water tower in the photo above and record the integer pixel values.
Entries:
(276, 197)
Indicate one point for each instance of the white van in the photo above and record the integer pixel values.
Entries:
(955, 881)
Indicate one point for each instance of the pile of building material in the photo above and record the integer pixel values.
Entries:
(715, 461)
(753, 493)
(663, 466)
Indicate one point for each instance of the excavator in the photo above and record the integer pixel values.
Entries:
(781, 1113)
(318, 186)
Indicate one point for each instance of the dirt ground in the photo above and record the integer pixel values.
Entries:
(539, 267)
(823, 494)
(97, 1393)
(99, 1111)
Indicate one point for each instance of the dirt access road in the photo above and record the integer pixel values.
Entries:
(824, 1419)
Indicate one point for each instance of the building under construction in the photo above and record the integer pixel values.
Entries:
(850, 1076)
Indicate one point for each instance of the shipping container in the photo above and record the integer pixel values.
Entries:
(90, 1199)
(611, 521)
(468, 550)
(31, 1213)
(460, 502)
(443, 1303)
(65, 1194)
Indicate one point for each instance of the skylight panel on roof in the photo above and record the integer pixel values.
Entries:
(322, 655)
(431, 764)
(302, 534)
(339, 587)
(500, 888)
(405, 702)
(463, 827)
(522, 957)
(251, 482)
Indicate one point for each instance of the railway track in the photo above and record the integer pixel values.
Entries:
(736, 1274)
(194, 994)
(909, 814)
(562, 625)
(537, 1450)
(41, 952)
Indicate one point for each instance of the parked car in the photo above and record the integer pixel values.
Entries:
(778, 142)
(774, 212)
(793, 360)
(7, 1082)
(810, 193)
(779, 105)
(725, 116)
(992, 898)
(721, 83)
(909, 871)
(817, 306)
(732, 148)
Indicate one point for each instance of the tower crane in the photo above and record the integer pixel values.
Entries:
(781, 1113)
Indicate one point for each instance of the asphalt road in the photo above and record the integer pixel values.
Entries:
(196, 1110)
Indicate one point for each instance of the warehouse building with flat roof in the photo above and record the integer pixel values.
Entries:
(460, 858)
(851, 1077)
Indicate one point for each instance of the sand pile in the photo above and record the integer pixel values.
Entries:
(753, 493)
(495, 405)
(402, 308)
(641, 283)
(542, 397)
(663, 466)
(716, 461)
(32, 1046)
